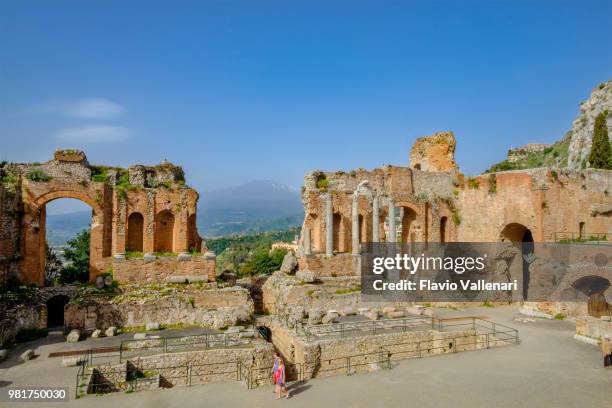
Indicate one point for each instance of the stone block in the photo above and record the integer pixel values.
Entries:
(290, 263)
(96, 333)
(152, 326)
(306, 276)
(371, 315)
(247, 334)
(363, 310)
(315, 316)
(184, 256)
(140, 336)
(3, 354)
(73, 336)
(73, 361)
(395, 315)
(346, 311)
(330, 317)
(176, 279)
(234, 329)
(197, 278)
(415, 310)
(111, 331)
(388, 309)
(149, 257)
(27, 355)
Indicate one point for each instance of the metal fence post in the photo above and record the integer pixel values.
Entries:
(165, 345)
(348, 366)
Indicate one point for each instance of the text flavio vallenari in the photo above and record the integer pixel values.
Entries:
(414, 264)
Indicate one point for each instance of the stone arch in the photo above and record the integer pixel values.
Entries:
(518, 233)
(443, 229)
(34, 231)
(55, 310)
(594, 288)
(408, 217)
(336, 229)
(135, 232)
(313, 223)
(164, 231)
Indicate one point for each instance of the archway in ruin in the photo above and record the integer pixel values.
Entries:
(313, 223)
(443, 222)
(519, 233)
(55, 310)
(192, 233)
(34, 238)
(164, 231)
(594, 287)
(408, 216)
(336, 225)
(135, 232)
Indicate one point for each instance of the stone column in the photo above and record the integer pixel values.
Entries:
(355, 225)
(375, 220)
(329, 225)
(306, 242)
(392, 235)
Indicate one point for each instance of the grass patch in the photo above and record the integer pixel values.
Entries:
(38, 175)
(487, 304)
(559, 316)
(348, 290)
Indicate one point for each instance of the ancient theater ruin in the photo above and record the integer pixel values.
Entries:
(553, 222)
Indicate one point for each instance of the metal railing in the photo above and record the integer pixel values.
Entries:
(137, 348)
(368, 327)
(99, 379)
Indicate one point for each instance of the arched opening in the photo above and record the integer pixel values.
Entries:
(55, 310)
(408, 216)
(519, 233)
(594, 288)
(362, 229)
(65, 240)
(417, 166)
(164, 231)
(312, 222)
(337, 222)
(135, 231)
(581, 230)
(443, 222)
(192, 234)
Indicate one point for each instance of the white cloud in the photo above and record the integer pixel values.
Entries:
(84, 108)
(93, 108)
(96, 133)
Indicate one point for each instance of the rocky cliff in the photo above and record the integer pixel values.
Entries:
(582, 128)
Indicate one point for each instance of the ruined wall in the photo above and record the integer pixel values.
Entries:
(167, 269)
(552, 204)
(210, 308)
(143, 197)
(435, 153)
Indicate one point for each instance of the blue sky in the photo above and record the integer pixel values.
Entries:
(241, 90)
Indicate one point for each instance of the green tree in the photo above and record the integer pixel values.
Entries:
(262, 261)
(53, 267)
(77, 254)
(601, 155)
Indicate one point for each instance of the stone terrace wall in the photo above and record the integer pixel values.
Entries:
(210, 308)
(20, 317)
(163, 269)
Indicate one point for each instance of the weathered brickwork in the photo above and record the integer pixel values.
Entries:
(143, 209)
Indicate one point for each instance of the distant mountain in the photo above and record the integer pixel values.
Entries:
(63, 227)
(257, 206)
